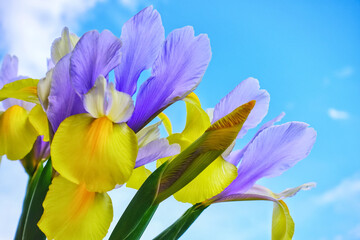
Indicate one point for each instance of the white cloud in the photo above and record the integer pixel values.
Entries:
(337, 114)
(29, 27)
(130, 4)
(345, 72)
(346, 191)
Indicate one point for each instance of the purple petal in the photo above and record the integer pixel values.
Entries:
(49, 64)
(272, 152)
(235, 156)
(155, 150)
(142, 37)
(9, 69)
(63, 100)
(176, 72)
(246, 91)
(95, 54)
(41, 149)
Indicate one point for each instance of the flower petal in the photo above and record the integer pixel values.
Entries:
(176, 72)
(197, 120)
(96, 152)
(166, 121)
(155, 150)
(63, 100)
(138, 177)
(210, 182)
(9, 69)
(17, 135)
(235, 156)
(23, 89)
(247, 90)
(71, 212)
(148, 134)
(272, 152)
(38, 119)
(43, 88)
(142, 37)
(63, 45)
(95, 54)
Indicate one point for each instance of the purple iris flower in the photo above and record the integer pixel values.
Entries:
(273, 149)
(177, 65)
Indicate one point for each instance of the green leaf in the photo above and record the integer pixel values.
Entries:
(171, 177)
(24, 89)
(139, 212)
(177, 229)
(32, 207)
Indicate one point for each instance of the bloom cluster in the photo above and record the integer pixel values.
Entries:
(79, 133)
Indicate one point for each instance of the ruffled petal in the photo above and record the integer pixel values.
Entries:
(138, 177)
(142, 37)
(235, 156)
(9, 69)
(96, 152)
(104, 100)
(40, 122)
(272, 152)
(155, 150)
(72, 212)
(247, 90)
(95, 54)
(63, 45)
(120, 106)
(210, 182)
(17, 135)
(63, 100)
(176, 72)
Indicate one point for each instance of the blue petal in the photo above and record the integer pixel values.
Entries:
(272, 152)
(246, 91)
(9, 69)
(142, 37)
(176, 72)
(155, 150)
(95, 54)
(63, 100)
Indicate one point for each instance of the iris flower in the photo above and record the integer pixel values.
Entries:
(97, 127)
(21, 122)
(273, 149)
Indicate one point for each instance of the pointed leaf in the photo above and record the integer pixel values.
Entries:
(178, 228)
(32, 208)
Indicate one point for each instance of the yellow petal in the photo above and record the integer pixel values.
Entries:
(197, 120)
(166, 121)
(17, 135)
(24, 89)
(71, 212)
(40, 122)
(138, 177)
(282, 223)
(98, 152)
(210, 182)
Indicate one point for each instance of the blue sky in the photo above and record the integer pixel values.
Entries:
(304, 53)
